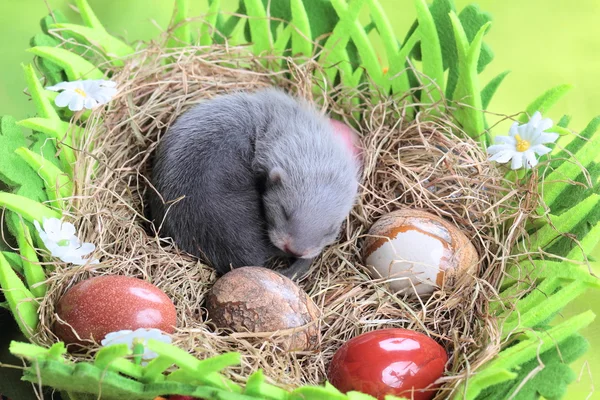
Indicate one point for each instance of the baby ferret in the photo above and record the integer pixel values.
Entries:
(245, 177)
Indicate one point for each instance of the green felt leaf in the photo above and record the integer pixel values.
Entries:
(499, 369)
(88, 15)
(472, 19)
(112, 47)
(335, 55)
(357, 33)
(551, 379)
(15, 172)
(315, 393)
(586, 245)
(302, 35)
(564, 244)
(540, 269)
(566, 222)
(51, 71)
(281, 44)
(14, 259)
(44, 146)
(542, 307)
(212, 17)
(29, 209)
(490, 89)
(57, 182)
(401, 84)
(556, 188)
(433, 65)
(470, 115)
(106, 355)
(29, 351)
(260, 30)
(61, 131)
(19, 298)
(396, 57)
(32, 270)
(75, 66)
(564, 122)
(256, 386)
(544, 102)
(182, 34)
(205, 370)
(42, 104)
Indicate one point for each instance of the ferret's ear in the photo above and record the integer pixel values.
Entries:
(277, 175)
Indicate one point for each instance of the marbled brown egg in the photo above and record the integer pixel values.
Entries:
(414, 246)
(256, 299)
(104, 304)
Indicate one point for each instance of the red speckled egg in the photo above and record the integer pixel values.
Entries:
(389, 362)
(104, 304)
(349, 136)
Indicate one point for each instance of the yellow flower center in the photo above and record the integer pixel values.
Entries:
(522, 145)
(81, 92)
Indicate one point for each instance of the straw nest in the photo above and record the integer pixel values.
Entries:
(425, 163)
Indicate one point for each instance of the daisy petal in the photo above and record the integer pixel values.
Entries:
(517, 162)
(86, 248)
(541, 150)
(505, 140)
(535, 118)
(76, 103)
(495, 148)
(64, 98)
(52, 225)
(108, 84)
(530, 159)
(503, 156)
(547, 137)
(513, 129)
(544, 124)
(67, 229)
(90, 103)
(62, 86)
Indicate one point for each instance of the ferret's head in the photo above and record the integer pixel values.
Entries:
(305, 212)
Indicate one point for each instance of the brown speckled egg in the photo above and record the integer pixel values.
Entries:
(104, 304)
(256, 299)
(413, 246)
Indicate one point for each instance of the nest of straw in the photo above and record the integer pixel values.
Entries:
(427, 163)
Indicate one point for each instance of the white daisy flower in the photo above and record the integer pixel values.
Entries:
(523, 143)
(60, 240)
(141, 335)
(87, 94)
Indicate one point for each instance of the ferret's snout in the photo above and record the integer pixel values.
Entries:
(287, 249)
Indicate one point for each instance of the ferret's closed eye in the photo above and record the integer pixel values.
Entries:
(286, 215)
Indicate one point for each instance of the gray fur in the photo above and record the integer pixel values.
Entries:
(256, 170)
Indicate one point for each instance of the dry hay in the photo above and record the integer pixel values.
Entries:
(427, 163)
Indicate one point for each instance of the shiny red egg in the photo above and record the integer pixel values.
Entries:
(396, 362)
(104, 304)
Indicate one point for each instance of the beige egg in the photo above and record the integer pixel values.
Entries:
(259, 300)
(414, 247)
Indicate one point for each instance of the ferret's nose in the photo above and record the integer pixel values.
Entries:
(286, 248)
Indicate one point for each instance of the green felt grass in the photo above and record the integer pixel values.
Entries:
(450, 45)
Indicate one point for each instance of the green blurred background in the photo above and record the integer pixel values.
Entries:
(543, 42)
